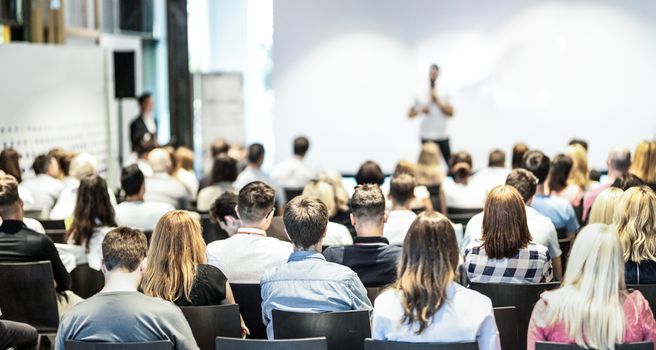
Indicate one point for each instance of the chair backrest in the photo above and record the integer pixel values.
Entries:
(27, 294)
(462, 215)
(81, 345)
(258, 344)
(649, 292)
(249, 299)
(291, 193)
(370, 344)
(53, 224)
(372, 293)
(277, 229)
(211, 230)
(560, 346)
(86, 281)
(344, 330)
(506, 318)
(434, 192)
(209, 322)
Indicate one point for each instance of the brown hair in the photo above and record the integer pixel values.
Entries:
(368, 203)
(224, 169)
(497, 158)
(428, 264)
(518, 155)
(644, 162)
(256, 200)
(305, 220)
(184, 158)
(402, 188)
(93, 208)
(505, 230)
(9, 163)
(125, 248)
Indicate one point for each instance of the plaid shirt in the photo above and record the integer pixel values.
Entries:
(531, 264)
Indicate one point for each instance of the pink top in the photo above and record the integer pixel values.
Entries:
(638, 318)
(590, 197)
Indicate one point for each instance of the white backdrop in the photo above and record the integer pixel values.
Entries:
(345, 73)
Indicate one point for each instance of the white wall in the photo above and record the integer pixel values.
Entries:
(543, 72)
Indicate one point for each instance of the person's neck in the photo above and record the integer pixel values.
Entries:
(135, 198)
(299, 157)
(254, 166)
(369, 231)
(312, 249)
(613, 175)
(13, 215)
(398, 207)
(540, 189)
(260, 226)
(119, 281)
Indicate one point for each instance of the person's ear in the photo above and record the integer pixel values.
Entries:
(237, 211)
(385, 217)
(103, 268)
(143, 265)
(353, 222)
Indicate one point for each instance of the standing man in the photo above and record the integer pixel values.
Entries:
(436, 110)
(143, 128)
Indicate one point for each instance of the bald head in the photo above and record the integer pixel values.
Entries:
(619, 161)
(160, 160)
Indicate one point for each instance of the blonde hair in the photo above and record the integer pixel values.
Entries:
(603, 208)
(83, 165)
(176, 250)
(334, 178)
(644, 162)
(589, 301)
(428, 165)
(579, 175)
(184, 158)
(323, 191)
(635, 217)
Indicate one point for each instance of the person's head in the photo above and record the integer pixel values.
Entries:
(635, 217)
(537, 163)
(63, 159)
(524, 182)
(428, 264)
(124, 252)
(428, 165)
(627, 181)
(223, 212)
(323, 191)
(11, 206)
(176, 250)
(306, 220)
(580, 174)
(588, 302)
(644, 162)
(256, 154)
(132, 182)
(184, 158)
(518, 151)
(9, 163)
(144, 146)
(405, 167)
(370, 173)
(603, 208)
(45, 164)
(368, 209)
(334, 178)
(83, 165)
(160, 160)
(579, 142)
(224, 169)
(429, 155)
(497, 159)
(434, 71)
(145, 103)
(255, 205)
(461, 166)
(561, 166)
(402, 189)
(619, 162)
(219, 147)
(505, 229)
(301, 146)
(93, 208)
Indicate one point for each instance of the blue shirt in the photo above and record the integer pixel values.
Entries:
(308, 283)
(558, 210)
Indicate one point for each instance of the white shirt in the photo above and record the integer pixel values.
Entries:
(540, 227)
(94, 255)
(465, 316)
(140, 214)
(397, 225)
(433, 126)
(189, 180)
(209, 194)
(250, 174)
(337, 235)
(292, 173)
(488, 178)
(470, 196)
(245, 257)
(162, 187)
(45, 189)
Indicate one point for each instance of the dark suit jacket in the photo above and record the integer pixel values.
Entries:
(138, 130)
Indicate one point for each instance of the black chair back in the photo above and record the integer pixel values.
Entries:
(560, 346)
(648, 291)
(249, 299)
(370, 344)
(257, 344)
(209, 322)
(211, 230)
(506, 318)
(55, 229)
(434, 192)
(277, 229)
(27, 294)
(291, 193)
(461, 215)
(372, 293)
(81, 345)
(344, 330)
(86, 281)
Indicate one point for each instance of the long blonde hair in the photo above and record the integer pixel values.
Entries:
(334, 178)
(603, 208)
(579, 175)
(176, 250)
(589, 301)
(428, 165)
(644, 162)
(635, 217)
(323, 191)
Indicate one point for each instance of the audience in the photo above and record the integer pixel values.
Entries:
(430, 174)
(307, 282)
(461, 193)
(400, 217)
(134, 211)
(644, 163)
(162, 187)
(336, 234)
(558, 183)
(506, 252)
(495, 174)
(618, 164)
(592, 308)
(605, 204)
(245, 256)
(184, 170)
(220, 180)
(371, 256)
(223, 212)
(16, 335)
(421, 196)
(119, 313)
(218, 147)
(425, 304)
(253, 172)
(519, 149)
(45, 186)
(293, 173)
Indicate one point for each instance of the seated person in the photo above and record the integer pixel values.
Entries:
(245, 256)
(224, 173)
(422, 197)
(162, 186)
(430, 174)
(307, 283)
(557, 181)
(45, 186)
(495, 174)
(635, 217)
(119, 313)
(592, 308)
(371, 256)
(400, 217)
(618, 164)
(184, 170)
(426, 305)
(253, 172)
(223, 212)
(134, 211)
(460, 192)
(506, 252)
(336, 234)
(604, 206)
(294, 173)
(16, 335)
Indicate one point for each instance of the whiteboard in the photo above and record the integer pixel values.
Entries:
(222, 108)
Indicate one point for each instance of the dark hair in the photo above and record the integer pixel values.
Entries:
(125, 248)
(305, 220)
(461, 157)
(518, 154)
(224, 206)
(8, 190)
(219, 147)
(143, 97)
(131, 179)
(93, 208)
(402, 188)
(461, 166)
(620, 160)
(301, 146)
(497, 158)
(9, 163)
(580, 142)
(524, 182)
(559, 171)
(435, 66)
(224, 169)
(370, 173)
(537, 163)
(256, 201)
(63, 158)
(255, 153)
(627, 181)
(505, 229)
(144, 146)
(41, 164)
(368, 203)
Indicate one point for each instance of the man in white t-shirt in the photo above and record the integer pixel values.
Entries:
(495, 174)
(293, 173)
(400, 217)
(436, 110)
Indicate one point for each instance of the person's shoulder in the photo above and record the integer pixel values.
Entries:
(388, 300)
(472, 297)
(537, 247)
(158, 206)
(210, 271)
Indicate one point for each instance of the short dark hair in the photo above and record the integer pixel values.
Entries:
(218, 147)
(124, 247)
(368, 203)
(559, 171)
(131, 179)
(627, 181)
(402, 188)
(255, 153)
(497, 158)
(435, 66)
(524, 182)
(41, 164)
(461, 157)
(301, 146)
(305, 220)
(224, 169)
(620, 159)
(518, 152)
(8, 190)
(143, 97)
(537, 163)
(581, 142)
(256, 200)
(370, 173)
(224, 206)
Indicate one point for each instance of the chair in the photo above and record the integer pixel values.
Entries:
(249, 299)
(211, 230)
(277, 229)
(86, 281)
(506, 318)
(461, 215)
(55, 229)
(559, 346)
(370, 344)
(648, 290)
(82, 345)
(291, 193)
(209, 322)
(434, 192)
(343, 330)
(257, 344)
(372, 293)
